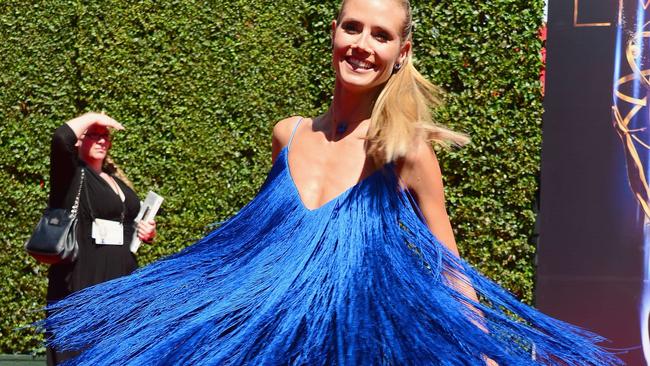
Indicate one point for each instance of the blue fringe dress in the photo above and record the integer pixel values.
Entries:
(358, 281)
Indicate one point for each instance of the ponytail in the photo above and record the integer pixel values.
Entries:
(402, 114)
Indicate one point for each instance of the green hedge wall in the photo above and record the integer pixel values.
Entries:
(199, 85)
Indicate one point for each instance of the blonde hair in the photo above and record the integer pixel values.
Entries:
(109, 167)
(402, 111)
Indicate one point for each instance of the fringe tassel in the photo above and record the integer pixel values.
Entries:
(359, 281)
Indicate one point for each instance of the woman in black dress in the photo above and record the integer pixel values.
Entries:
(83, 144)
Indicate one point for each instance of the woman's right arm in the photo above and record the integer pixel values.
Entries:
(63, 153)
(63, 164)
(80, 124)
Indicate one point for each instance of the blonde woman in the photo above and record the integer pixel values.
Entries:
(345, 257)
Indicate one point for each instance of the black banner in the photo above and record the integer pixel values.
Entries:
(595, 197)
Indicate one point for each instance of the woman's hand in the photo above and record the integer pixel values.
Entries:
(80, 124)
(146, 230)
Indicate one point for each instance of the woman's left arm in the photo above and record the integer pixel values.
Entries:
(146, 230)
(421, 174)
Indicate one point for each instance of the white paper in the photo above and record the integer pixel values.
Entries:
(107, 232)
(148, 210)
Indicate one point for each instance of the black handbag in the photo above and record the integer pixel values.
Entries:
(54, 238)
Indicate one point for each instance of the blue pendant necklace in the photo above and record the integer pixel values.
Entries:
(341, 128)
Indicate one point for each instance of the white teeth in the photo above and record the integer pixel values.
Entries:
(360, 63)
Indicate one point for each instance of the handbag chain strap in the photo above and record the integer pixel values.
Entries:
(75, 207)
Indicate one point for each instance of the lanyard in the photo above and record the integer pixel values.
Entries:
(121, 196)
(123, 213)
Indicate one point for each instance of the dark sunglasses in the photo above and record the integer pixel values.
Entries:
(98, 136)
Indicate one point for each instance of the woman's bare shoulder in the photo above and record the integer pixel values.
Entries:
(282, 134)
(421, 156)
(283, 129)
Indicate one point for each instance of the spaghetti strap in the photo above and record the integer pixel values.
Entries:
(293, 133)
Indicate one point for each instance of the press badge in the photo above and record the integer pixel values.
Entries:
(108, 232)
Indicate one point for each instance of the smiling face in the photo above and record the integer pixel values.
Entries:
(368, 41)
(95, 144)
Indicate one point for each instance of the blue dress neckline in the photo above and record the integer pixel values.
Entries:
(284, 157)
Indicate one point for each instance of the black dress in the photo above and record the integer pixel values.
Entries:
(95, 263)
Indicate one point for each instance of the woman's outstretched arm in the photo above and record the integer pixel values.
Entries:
(420, 172)
(80, 124)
